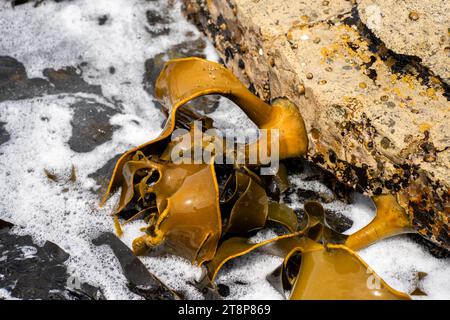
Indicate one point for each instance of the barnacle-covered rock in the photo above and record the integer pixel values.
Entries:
(373, 93)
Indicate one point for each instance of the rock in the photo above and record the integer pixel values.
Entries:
(376, 118)
(223, 290)
(90, 125)
(30, 271)
(414, 28)
(153, 66)
(140, 280)
(70, 80)
(158, 22)
(35, 3)
(4, 135)
(15, 84)
(337, 221)
(102, 175)
(430, 247)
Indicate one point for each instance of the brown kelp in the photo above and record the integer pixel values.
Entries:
(206, 212)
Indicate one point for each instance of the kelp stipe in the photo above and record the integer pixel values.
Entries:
(390, 220)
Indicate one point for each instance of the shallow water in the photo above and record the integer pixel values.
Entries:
(53, 119)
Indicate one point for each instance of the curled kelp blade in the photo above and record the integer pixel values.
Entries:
(246, 207)
(281, 178)
(188, 225)
(337, 272)
(310, 228)
(316, 216)
(328, 270)
(130, 168)
(283, 277)
(181, 201)
(283, 215)
(233, 248)
(318, 228)
(234, 187)
(249, 212)
(276, 184)
(238, 246)
(206, 77)
(390, 220)
(173, 87)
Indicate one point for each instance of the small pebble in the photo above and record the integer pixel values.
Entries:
(322, 82)
(272, 61)
(413, 15)
(385, 143)
(315, 133)
(429, 158)
(329, 69)
(384, 98)
(289, 36)
(309, 76)
(223, 290)
(301, 89)
(325, 3)
(362, 85)
(316, 40)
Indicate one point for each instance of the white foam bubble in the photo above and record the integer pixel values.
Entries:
(229, 116)
(246, 277)
(5, 294)
(399, 259)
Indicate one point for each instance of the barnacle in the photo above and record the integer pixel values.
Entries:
(195, 214)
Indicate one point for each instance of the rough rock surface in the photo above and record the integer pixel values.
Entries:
(377, 118)
(415, 28)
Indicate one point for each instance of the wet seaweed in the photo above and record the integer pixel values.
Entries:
(208, 214)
